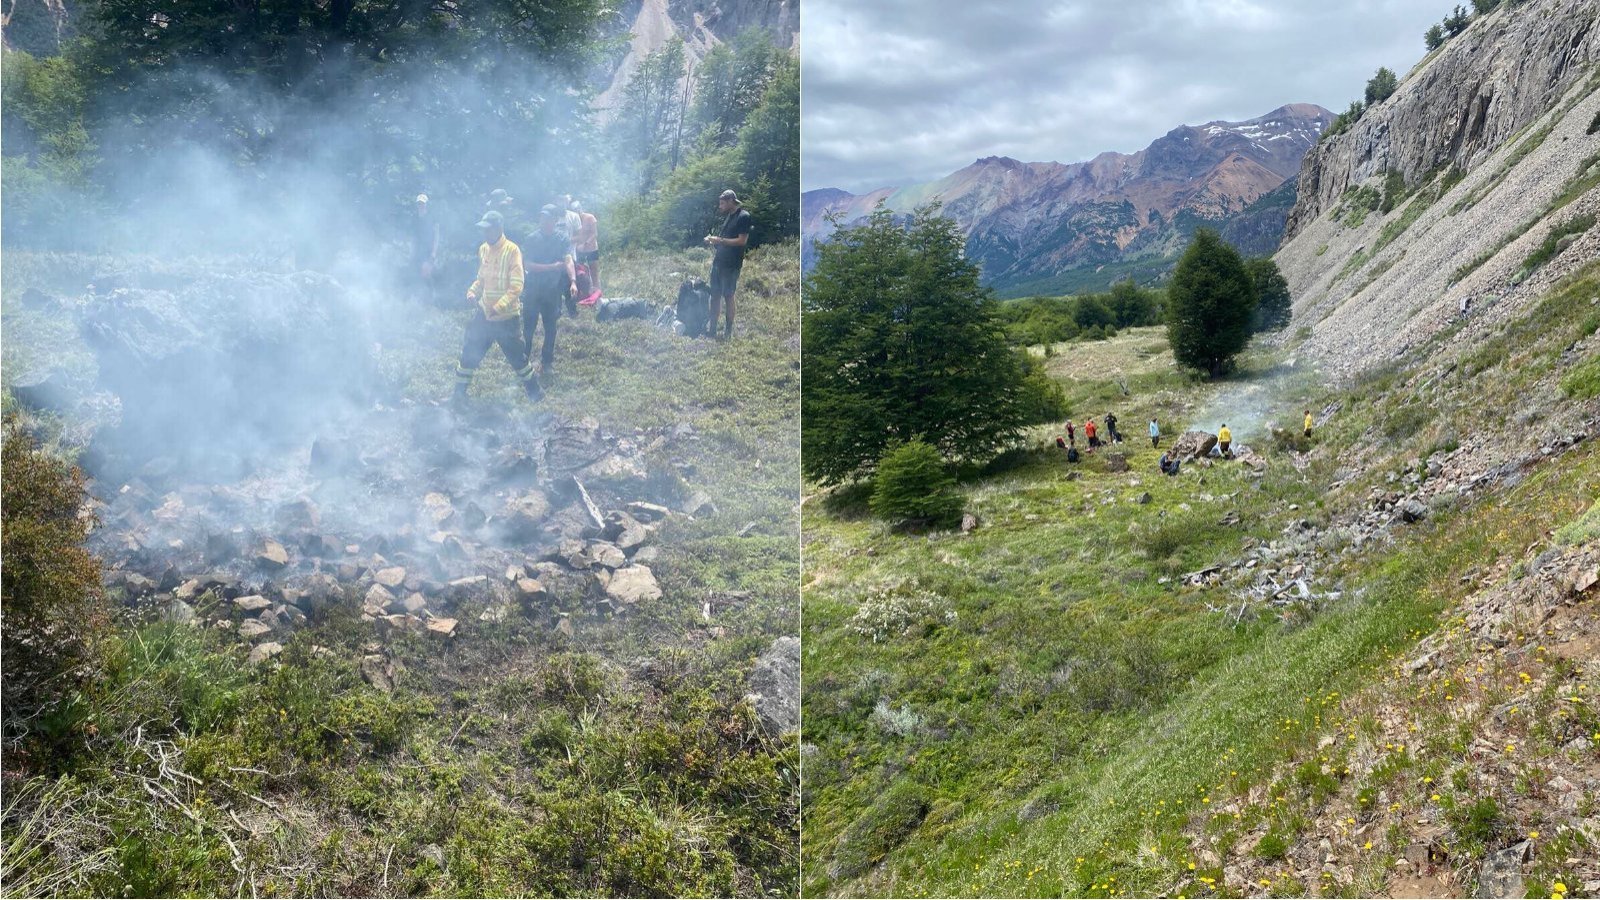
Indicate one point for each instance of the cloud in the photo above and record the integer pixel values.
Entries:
(901, 92)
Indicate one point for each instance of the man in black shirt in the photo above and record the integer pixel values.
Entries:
(547, 256)
(727, 256)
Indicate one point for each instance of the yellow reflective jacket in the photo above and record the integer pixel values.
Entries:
(1225, 435)
(498, 288)
(1308, 421)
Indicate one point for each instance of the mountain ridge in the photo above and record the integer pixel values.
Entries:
(1032, 223)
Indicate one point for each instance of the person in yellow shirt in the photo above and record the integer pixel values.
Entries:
(497, 317)
(1224, 438)
(1308, 423)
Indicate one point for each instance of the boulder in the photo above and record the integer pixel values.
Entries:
(631, 584)
(442, 627)
(1413, 510)
(264, 652)
(969, 523)
(253, 628)
(1194, 445)
(775, 686)
(178, 613)
(608, 555)
(252, 604)
(378, 672)
(1143, 498)
(390, 577)
(377, 600)
(522, 516)
(412, 603)
(648, 512)
(272, 555)
(1116, 462)
(437, 509)
(1501, 875)
(531, 590)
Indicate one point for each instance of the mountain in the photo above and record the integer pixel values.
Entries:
(1488, 150)
(649, 24)
(1050, 226)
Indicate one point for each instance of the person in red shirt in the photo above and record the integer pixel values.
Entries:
(1090, 433)
(1072, 433)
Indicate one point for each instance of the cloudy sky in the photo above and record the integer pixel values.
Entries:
(896, 92)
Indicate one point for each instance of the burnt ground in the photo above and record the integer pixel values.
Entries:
(371, 644)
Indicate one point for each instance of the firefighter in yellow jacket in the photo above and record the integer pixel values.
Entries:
(497, 318)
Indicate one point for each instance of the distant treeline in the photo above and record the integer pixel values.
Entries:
(1048, 320)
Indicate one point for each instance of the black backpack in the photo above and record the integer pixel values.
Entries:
(1072, 454)
(694, 306)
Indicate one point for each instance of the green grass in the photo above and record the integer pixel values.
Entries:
(516, 762)
(1082, 716)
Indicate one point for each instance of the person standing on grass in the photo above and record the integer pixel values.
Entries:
(424, 246)
(551, 280)
(497, 294)
(1090, 434)
(1155, 434)
(1224, 439)
(1072, 433)
(727, 257)
(1111, 429)
(1308, 423)
(587, 249)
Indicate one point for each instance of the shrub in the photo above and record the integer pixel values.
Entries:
(1381, 86)
(53, 606)
(913, 484)
(886, 613)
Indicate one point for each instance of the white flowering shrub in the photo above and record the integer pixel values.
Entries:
(885, 612)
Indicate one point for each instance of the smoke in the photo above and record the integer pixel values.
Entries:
(250, 259)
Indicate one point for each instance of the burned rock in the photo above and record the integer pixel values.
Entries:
(272, 555)
(648, 512)
(632, 584)
(523, 515)
(699, 505)
(298, 514)
(253, 628)
(1194, 445)
(170, 579)
(377, 600)
(604, 554)
(390, 577)
(442, 627)
(531, 590)
(252, 604)
(513, 468)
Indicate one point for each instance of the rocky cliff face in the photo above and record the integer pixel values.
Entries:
(1496, 141)
(1460, 104)
(650, 24)
(1048, 226)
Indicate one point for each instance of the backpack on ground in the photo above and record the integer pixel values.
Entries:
(694, 306)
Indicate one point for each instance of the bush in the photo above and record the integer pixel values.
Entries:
(913, 484)
(52, 602)
(1040, 396)
(886, 613)
(1583, 382)
(1381, 86)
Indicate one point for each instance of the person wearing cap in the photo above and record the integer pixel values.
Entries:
(727, 256)
(551, 279)
(497, 294)
(586, 249)
(516, 224)
(424, 246)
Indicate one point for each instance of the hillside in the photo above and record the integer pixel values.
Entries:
(1360, 665)
(1493, 146)
(1046, 227)
(648, 25)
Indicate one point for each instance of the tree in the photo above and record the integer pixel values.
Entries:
(1132, 305)
(1210, 304)
(1273, 304)
(1457, 21)
(913, 484)
(730, 83)
(1381, 86)
(1484, 7)
(1433, 37)
(902, 344)
(650, 117)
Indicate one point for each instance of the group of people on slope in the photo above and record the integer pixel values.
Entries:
(522, 286)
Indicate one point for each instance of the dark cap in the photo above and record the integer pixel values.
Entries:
(728, 195)
(492, 217)
(550, 209)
